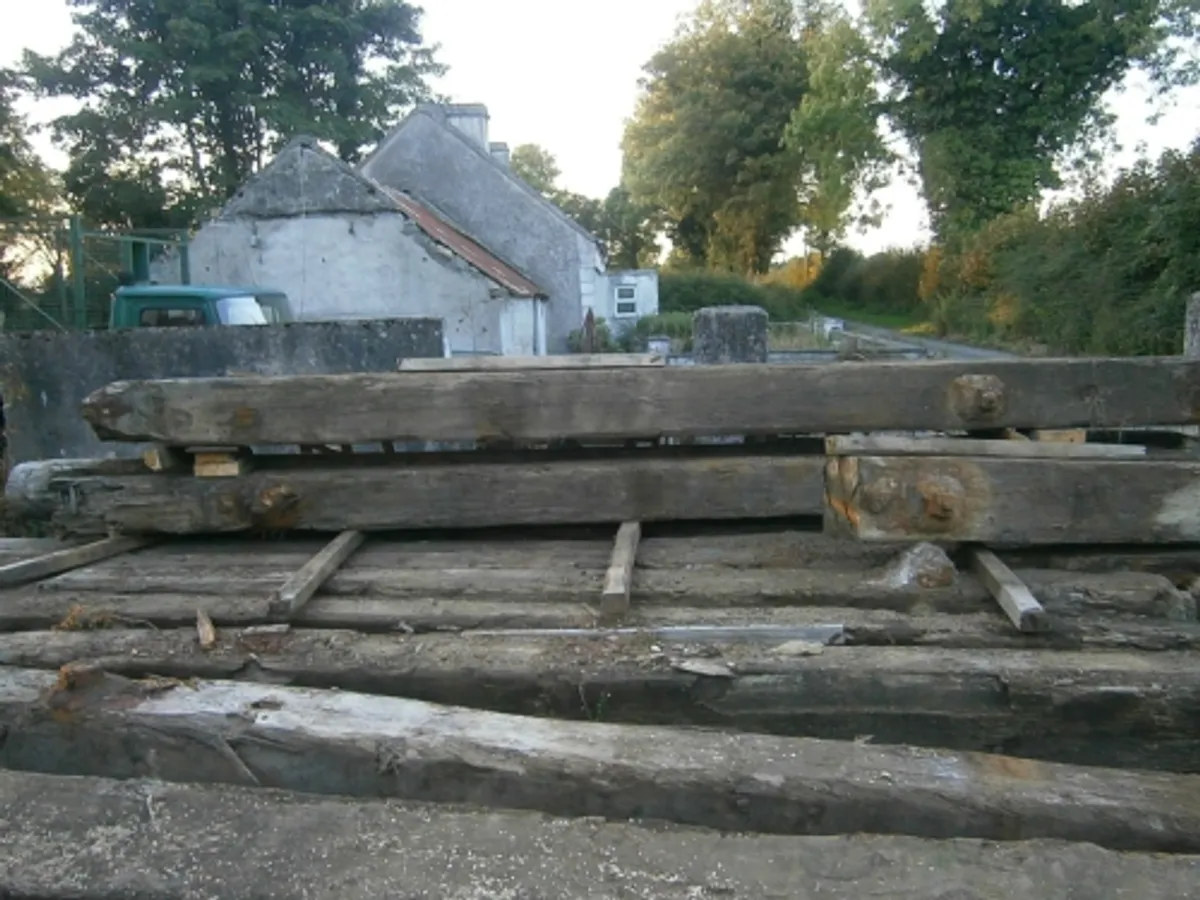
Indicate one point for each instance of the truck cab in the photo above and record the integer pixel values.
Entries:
(189, 305)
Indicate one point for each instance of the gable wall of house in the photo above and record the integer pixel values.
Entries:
(475, 192)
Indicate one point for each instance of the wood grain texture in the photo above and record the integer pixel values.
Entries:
(1018, 603)
(674, 401)
(300, 588)
(1028, 702)
(618, 580)
(351, 744)
(1016, 502)
(59, 561)
(449, 496)
(891, 445)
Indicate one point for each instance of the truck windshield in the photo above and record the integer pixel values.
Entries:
(240, 310)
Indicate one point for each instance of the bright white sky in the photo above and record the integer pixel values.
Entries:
(567, 81)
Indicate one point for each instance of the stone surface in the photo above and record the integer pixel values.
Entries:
(44, 376)
(729, 334)
(94, 839)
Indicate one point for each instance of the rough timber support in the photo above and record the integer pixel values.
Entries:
(1013, 501)
(83, 721)
(742, 399)
(431, 495)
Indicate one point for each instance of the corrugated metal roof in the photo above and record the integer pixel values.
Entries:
(474, 253)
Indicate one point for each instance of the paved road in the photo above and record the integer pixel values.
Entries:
(949, 349)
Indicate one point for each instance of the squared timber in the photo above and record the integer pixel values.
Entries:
(670, 401)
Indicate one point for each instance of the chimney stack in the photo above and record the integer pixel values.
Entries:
(471, 119)
(500, 153)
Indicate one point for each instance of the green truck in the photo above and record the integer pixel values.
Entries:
(189, 305)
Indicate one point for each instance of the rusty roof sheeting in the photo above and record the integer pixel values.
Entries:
(474, 253)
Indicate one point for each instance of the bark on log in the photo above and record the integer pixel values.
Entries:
(1086, 708)
(1013, 502)
(67, 848)
(678, 401)
(85, 722)
(382, 498)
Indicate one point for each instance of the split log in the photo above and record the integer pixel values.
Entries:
(1086, 708)
(634, 402)
(85, 722)
(383, 498)
(376, 848)
(67, 558)
(1013, 501)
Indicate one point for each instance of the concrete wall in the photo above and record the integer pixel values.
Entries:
(354, 267)
(44, 376)
(462, 180)
(643, 283)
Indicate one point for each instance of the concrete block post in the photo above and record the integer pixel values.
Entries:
(729, 334)
(1191, 328)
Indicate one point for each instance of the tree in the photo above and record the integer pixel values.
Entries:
(626, 229)
(834, 132)
(182, 100)
(705, 144)
(26, 186)
(991, 93)
(537, 166)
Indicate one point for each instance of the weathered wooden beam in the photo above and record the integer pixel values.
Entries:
(300, 588)
(1010, 592)
(58, 561)
(86, 722)
(890, 445)
(1140, 706)
(510, 363)
(673, 401)
(1013, 501)
(618, 580)
(68, 837)
(382, 498)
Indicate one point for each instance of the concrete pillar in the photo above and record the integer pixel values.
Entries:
(1191, 328)
(729, 334)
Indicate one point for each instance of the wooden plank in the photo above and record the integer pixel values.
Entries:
(618, 581)
(423, 496)
(350, 744)
(509, 363)
(1010, 592)
(222, 463)
(60, 561)
(1016, 502)
(300, 588)
(400, 850)
(1141, 705)
(891, 445)
(1061, 435)
(674, 401)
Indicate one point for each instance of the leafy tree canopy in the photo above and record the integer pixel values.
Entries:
(182, 100)
(991, 93)
(705, 143)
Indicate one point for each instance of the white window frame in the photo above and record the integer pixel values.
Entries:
(619, 300)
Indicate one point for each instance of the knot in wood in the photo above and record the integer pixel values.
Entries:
(978, 398)
(942, 499)
(878, 496)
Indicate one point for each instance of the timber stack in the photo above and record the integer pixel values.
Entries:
(865, 581)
